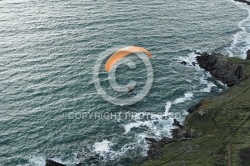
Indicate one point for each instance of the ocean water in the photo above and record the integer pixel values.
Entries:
(49, 106)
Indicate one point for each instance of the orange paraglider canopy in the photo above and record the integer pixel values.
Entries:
(122, 53)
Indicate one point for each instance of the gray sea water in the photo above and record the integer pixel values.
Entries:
(48, 50)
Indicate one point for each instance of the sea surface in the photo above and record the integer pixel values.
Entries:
(49, 105)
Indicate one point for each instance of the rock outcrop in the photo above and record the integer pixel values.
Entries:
(184, 63)
(248, 55)
(178, 134)
(220, 68)
(221, 123)
(154, 148)
(195, 107)
(53, 163)
(243, 1)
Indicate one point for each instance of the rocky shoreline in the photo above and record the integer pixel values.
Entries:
(222, 69)
(187, 136)
(230, 71)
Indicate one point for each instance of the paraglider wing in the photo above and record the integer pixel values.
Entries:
(122, 53)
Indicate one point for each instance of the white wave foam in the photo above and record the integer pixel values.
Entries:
(203, 80)
(167, 108)
(188, 59)
(187, 96)
(208, 88)
(241, 40)
(204, 76)
(199, 75)
(107, 152)
(102, 147)
(159, 118)
(137, 124)
(39, 161)
(159, 124)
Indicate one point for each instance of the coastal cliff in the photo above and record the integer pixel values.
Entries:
(216, 132)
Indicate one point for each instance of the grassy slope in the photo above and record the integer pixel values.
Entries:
(224, 122)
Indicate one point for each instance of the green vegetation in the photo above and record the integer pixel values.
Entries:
(224, 123)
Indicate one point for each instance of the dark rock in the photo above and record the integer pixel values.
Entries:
(193, 63)
(176, 133)
(194, 107)
(239, 71)
(187, 135)
(151, 140)
(141, 160)
(243, 1)
(218, 65)
(206, 61)
(79, 164)
(184, 63)
(153, 153)
(248, 55)
(53, 163)
(154, 148)
(177, 123)
(166, 140)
